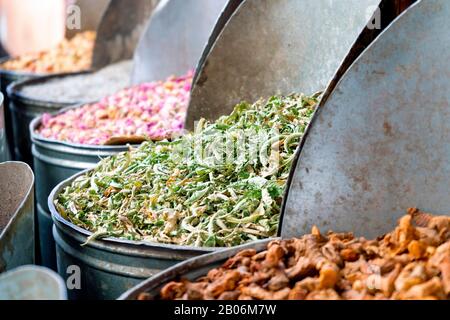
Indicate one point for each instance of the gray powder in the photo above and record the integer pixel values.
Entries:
(82, 88)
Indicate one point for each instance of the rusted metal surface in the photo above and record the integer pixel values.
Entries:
(32, 283)
(174, 38)
(16, 215)
(110, 266)
(190, 269)
(4, 150)
(377, 145)
(273, 47)
(120, 30)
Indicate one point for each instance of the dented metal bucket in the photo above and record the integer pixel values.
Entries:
(32, 283)
(17, 244)
(379, 143)
(191, 269)
(109, 267)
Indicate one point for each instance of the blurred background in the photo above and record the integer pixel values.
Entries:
(30, 26)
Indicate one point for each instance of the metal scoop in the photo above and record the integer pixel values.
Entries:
(174, 38)
(16, 215)
(274, 47)
(378, 144)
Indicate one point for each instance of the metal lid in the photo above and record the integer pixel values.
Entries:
(379, 144)
(174, 38)
(276, 47)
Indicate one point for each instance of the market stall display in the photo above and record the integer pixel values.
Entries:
(411, 262)
(16, 215)
(56, 160)
(219, 186)
(69, 236)
(4, 150)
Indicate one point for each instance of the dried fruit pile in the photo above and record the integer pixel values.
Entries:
(149, 111)
(221, 185)
(411, 262)
(69, 56)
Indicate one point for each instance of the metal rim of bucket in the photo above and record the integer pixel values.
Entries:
(26, 196)
(62, 293)
(14, 90)
(209, 261)
(110, 244)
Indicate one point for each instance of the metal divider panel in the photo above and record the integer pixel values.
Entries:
(174, 38)
(379, 144)
(278, 46)
(120, 30)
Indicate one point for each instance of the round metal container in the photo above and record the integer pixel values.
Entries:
(17, 244)
(6, 78)
(110, 266)
(32, 283)
(24, 109)
(190, 269)
(46, 243)
(55, 161)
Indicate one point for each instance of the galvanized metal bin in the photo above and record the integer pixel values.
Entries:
(32, 283)
(55, 161)
(6, 78)
(190, 269)
(24, 109)
(108, 267)
(17, 241)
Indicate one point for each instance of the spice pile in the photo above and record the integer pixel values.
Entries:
(221, 185)
(69, 56)
(412, 262)
(81, 88)
(149, 111)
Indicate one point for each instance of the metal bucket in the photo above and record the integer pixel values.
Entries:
(17, 244)
(110, 266)
(24, 109)
(190, 269)
(4, 149)
(55, 161)
(32, 283)
(6, 78)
